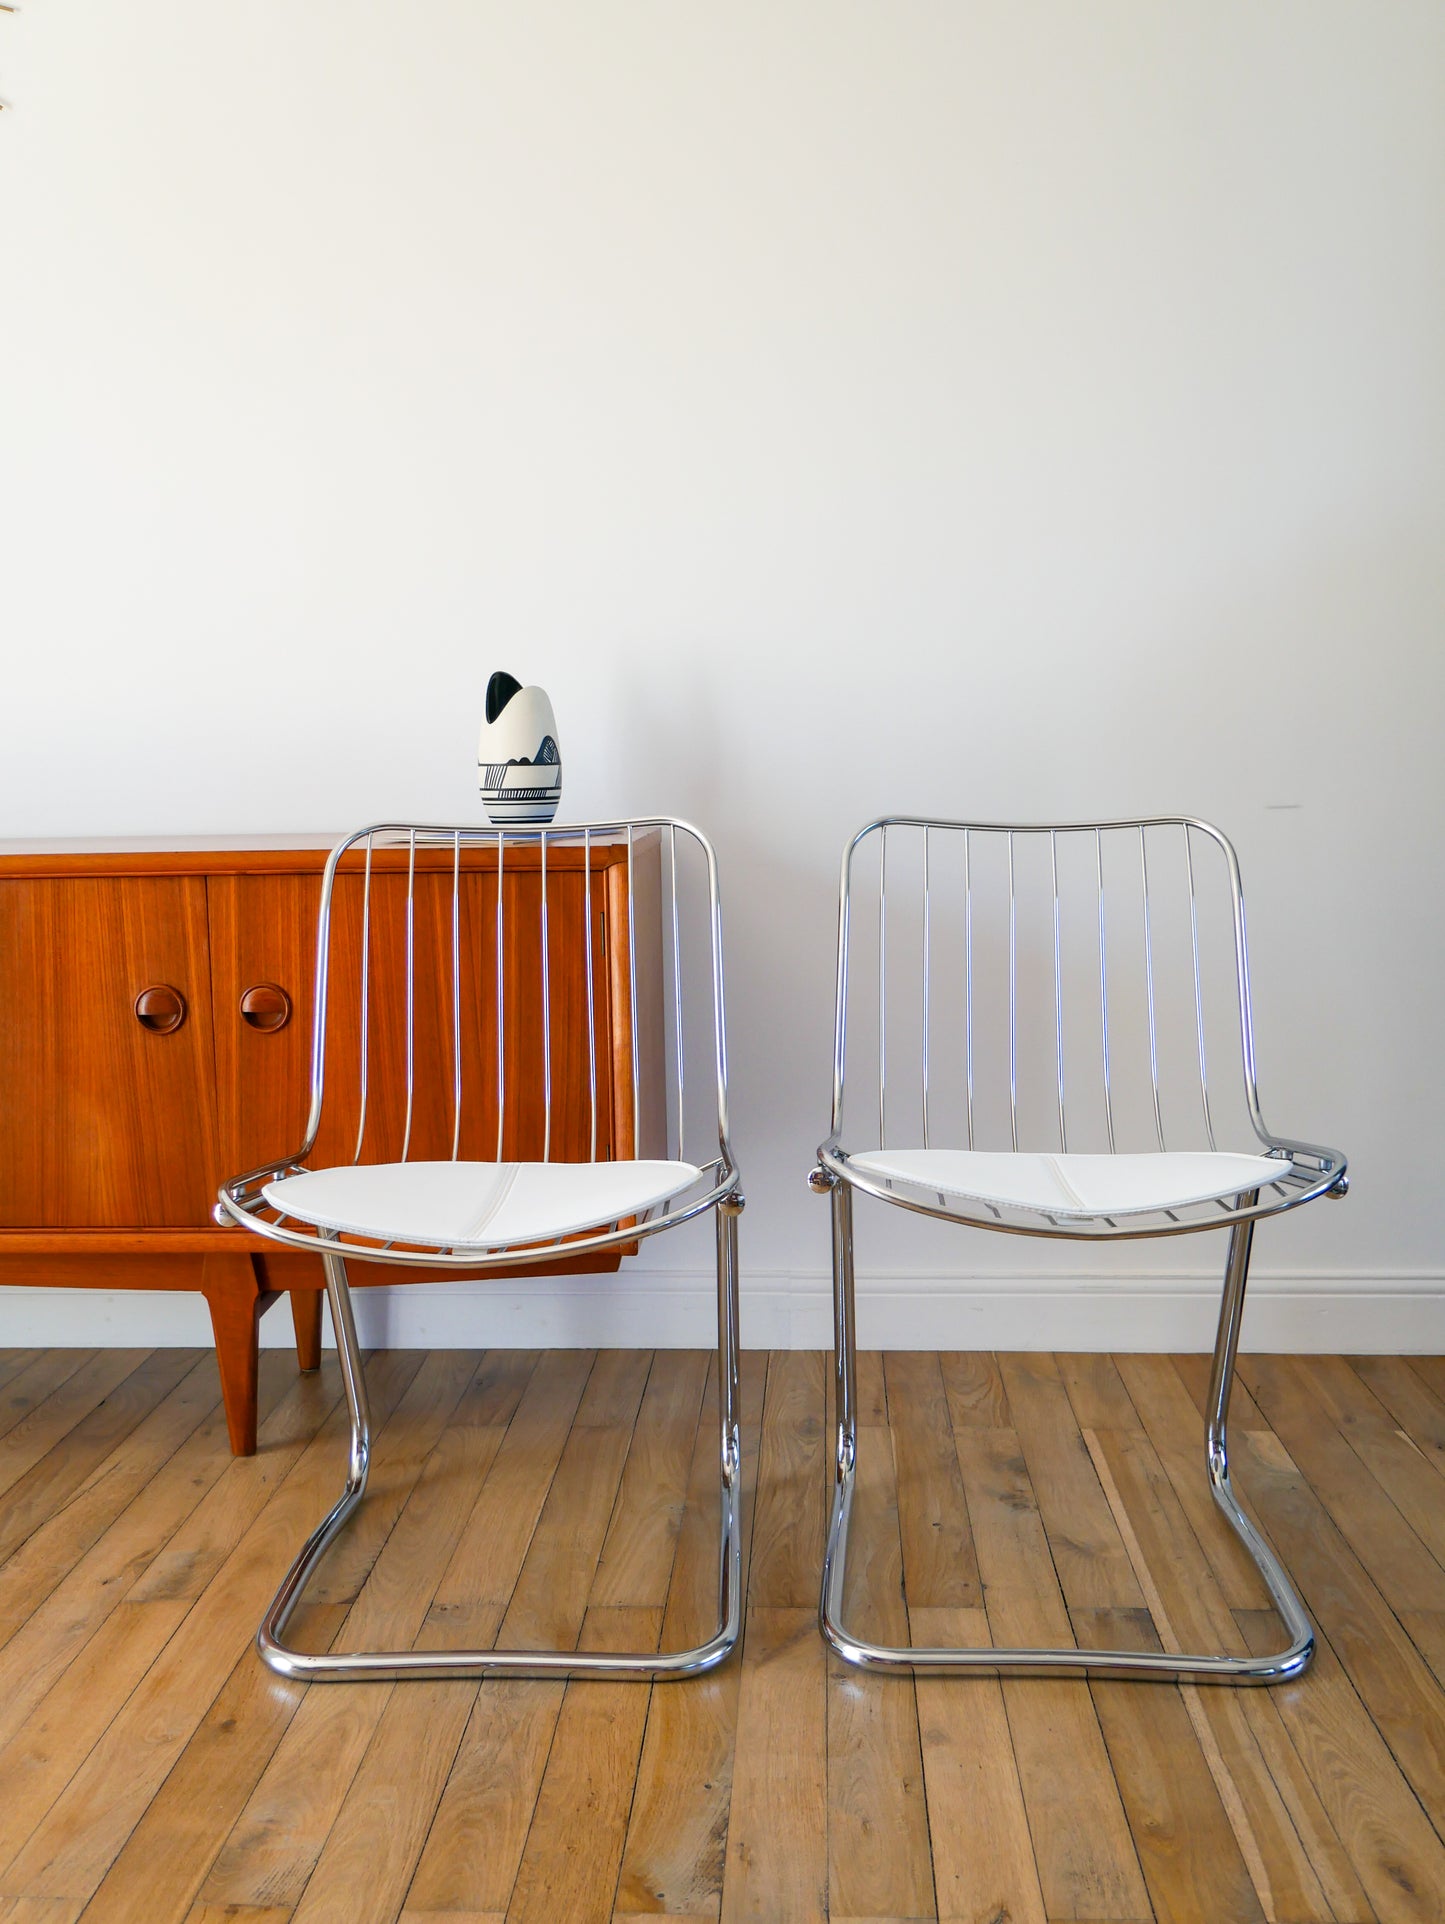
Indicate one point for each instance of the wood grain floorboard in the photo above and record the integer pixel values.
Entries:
(1093, 1568)
(591, 1767)
(1087, 1860)
(1418, 1411)
(291, 1815)
(983, 1856)
(1391, 1677)
(777, 1852)
(33, 1570)
(50, 1483)
(547, 1607)
(153, 1772)
(64, 1410)
(1357, 1501)
(1297, 1863)
(878, 1852)
(40, 1374)
(788, 1532)
(53, 1638)
(939, 1565)
(479, 1829)
(594, 1757)
(776, 1862)
(973, 1382)
(12, 1361)
(77, 1840)
(677, 1829)
(1175, 1426)
(227, 1505)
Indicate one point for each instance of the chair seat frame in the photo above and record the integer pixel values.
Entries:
(241, 1202)
(1307, 1171)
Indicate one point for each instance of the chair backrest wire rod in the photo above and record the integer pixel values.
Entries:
(1149, 982)
(456, 995)
(410, 991)
(591, 993)
(501, 967)
(430, 939)
(1023, 907)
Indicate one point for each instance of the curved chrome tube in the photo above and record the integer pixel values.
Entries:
(236, 1207)
(1328, 1179)
(397, 1666)
(1305, 1169)
(240, 1202)
(1138, 1665)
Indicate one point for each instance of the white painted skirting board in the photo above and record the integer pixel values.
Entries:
(1386, 1313)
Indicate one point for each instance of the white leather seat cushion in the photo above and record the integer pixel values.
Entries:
(485, 1204)
(1075, 1185)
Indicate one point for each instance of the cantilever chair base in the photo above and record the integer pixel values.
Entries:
(397, 1666)
(1167, 1666)
(1034, 1113)
(537, 1181)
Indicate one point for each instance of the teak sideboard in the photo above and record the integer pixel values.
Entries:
(155, 1039)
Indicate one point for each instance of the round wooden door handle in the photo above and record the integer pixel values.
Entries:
(160, 1008)
(266, 1007)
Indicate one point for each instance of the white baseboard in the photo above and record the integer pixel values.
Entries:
(1390, 1313)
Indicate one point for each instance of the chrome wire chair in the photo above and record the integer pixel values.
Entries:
(553, 1091)
(1053, 992)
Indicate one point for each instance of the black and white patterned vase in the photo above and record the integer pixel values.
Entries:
(519, 770)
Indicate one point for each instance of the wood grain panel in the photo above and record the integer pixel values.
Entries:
(636, 1562)
(1398, 1464)
(263, 929)
(117, 1126)
(110, 1165)
(13, 1361)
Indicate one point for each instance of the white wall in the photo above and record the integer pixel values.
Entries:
(1080, 367)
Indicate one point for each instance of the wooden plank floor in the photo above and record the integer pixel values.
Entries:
(152, 1771)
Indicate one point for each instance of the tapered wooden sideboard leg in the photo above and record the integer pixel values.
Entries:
(233, 1289)
(306, 1316)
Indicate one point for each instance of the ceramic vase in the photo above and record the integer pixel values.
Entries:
(519, 770)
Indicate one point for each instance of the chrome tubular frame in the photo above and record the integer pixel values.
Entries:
(1307, 1170)
(241, 1202)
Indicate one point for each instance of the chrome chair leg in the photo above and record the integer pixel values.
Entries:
(1161, 1666)
(397, 1666)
